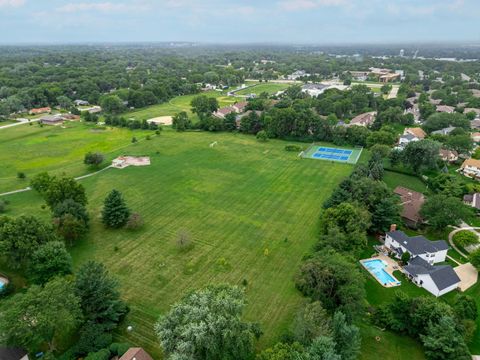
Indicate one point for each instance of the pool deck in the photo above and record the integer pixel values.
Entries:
(392, 266)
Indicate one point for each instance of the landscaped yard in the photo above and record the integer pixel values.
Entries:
(250, 208)
(32, 149)
(269, 88)
(176, 105)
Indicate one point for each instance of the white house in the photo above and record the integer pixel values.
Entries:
(406, 139)
(314, 89)
(437, 280)
(431, 251)
(471, 168)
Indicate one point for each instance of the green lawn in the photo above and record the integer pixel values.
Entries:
(176, 105)
(236, 200)
(393, 179)
(32, 149)
(269, 88)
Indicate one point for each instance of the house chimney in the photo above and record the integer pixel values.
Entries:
(393, 227)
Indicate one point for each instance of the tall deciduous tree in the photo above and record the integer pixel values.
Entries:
(441, 210)
(20, 237)
(421, 155)
(64, 188)
(333, 280)
(115, 212)
(50, 260)
(40, 315)
(181, 122)
(207, 324)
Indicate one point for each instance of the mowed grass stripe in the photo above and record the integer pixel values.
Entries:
(236, 200)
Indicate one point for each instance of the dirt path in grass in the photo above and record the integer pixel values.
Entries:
(77, 178)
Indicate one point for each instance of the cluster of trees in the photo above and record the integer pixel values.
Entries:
(207, 324)
(319, 337)
(67, 200)
(43, 315)
(443, 330)
(58, 306)
(120, 121)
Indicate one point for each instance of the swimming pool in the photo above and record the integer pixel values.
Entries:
(376, 267)
(3, 282)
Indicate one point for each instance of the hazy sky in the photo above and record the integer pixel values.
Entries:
(225, 21)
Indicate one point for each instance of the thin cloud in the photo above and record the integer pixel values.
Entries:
(106, 7)
(296, 5)
(12, 3)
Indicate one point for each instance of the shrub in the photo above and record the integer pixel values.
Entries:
(103, 354)
(134, 222)
(405, 257)
(262, 136)
(465, 238)
(3, 206)
(184, 240)
(119, 348)
(134, 139)
(293, 148)
(21, 175)
(93, 159)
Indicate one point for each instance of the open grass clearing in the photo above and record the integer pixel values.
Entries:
(236, 200)
(259, 88)
(32, 149)
(176, 105)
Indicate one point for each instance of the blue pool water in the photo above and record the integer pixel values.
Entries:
(2, 283)
(377, 268)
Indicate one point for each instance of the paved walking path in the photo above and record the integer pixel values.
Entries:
(77, 178)
(18, 123)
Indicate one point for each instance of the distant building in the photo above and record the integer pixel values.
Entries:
(297, 75)
(445, 109)
(314, 89)
(471, 168)
(448, 155)
(240, 106)
(472, 200)
(365, 119)
(474, 110)
(475, 136)
(136, 354)
(411, 202)
(415, 131)
(444, 131)
(52, 119)
(406, 139)
(81, 103)
(38, 111)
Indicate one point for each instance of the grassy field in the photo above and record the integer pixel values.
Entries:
(176, 105)
(236, 200)
(32, 149)
(393, 179)
(269, 88)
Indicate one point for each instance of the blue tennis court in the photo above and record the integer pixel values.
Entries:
(333, 154)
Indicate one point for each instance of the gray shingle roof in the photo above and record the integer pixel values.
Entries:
(11, 353)
(418, 245)
(442, 275)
